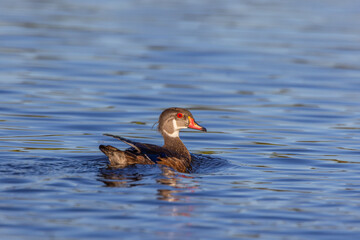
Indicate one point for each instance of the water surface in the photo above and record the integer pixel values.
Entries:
(275, 83)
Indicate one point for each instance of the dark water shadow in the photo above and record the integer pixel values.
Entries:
(208, 164)
(54, 166)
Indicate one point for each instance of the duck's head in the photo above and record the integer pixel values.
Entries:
(172, 120)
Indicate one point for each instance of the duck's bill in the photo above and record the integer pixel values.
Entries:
(194, 125)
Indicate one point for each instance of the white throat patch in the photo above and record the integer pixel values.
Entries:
(173, 135)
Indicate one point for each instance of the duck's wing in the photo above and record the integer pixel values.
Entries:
(144, 148)
(127, 141)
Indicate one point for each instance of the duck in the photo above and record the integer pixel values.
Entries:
(173, 153)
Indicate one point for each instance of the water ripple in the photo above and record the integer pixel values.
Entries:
(277, 89)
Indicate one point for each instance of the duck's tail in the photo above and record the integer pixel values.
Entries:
(116, 157)
(122, 159)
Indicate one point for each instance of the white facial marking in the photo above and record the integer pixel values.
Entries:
(176, 130)
(174, 134)
(175, 127)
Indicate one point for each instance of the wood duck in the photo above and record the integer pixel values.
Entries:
(173, 153)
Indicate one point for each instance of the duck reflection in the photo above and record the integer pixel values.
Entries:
(168, 177)
(172, 187)
(114, 179)
(172, 180)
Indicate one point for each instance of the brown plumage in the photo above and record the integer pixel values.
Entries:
(173, 153)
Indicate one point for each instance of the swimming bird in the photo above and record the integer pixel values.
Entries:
(173, 153)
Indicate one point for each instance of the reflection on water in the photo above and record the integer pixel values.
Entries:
(169, 186)
(276, 84)
(170, 183)
(112, 177)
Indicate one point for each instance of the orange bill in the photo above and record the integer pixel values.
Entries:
(194, 125)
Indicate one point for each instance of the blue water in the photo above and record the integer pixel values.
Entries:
(276, 83)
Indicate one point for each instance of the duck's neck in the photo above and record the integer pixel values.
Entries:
(176, 146)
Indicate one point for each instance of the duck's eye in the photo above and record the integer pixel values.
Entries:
(179, 115)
